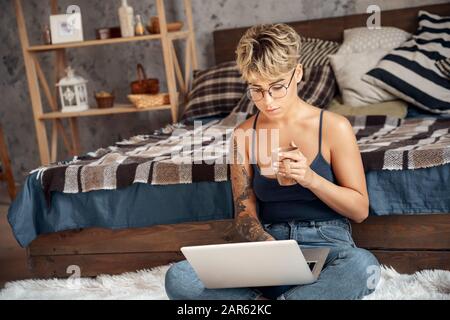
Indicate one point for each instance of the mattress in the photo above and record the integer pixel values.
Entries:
(400, 192)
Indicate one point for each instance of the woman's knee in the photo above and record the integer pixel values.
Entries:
(364, 268)
(178, 276)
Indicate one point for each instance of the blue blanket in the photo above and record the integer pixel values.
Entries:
(139, 205)
(142, 205)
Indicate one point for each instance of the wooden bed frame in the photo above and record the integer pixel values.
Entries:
(406, 242)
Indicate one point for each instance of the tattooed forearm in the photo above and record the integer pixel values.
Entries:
(249, 227)
(246, 221)
(243, 185)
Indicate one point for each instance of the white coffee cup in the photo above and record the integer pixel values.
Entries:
(283, 180)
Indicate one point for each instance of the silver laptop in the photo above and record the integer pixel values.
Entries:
(255, 264)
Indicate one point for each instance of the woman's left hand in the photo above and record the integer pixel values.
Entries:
(298, 168)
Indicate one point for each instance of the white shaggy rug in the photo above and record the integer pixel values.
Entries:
(149, 284)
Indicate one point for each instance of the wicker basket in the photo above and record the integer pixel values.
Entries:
(149, 100)
(104, 99)
(105, 102)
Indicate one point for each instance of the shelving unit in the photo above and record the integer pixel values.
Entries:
(177, 82)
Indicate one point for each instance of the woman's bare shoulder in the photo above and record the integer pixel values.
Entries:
(336, 121)
(337, 126)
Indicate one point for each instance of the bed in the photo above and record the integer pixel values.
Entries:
(143, 225)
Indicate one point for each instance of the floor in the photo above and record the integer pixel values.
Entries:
(13, 259)
(13, 266)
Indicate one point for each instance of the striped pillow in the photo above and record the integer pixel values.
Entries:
(410, 71)
(314, 52)
(444, 66)
(318, 88)
(215, 91)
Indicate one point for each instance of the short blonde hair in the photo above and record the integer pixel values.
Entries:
(268, 51)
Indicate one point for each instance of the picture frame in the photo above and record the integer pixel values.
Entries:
(66, 28)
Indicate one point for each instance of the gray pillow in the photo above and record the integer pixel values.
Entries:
(349, 69)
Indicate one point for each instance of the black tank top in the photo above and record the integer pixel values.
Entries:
(286, 203)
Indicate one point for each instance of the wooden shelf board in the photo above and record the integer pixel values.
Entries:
(118, 108)
(88, 43)
(178, 35)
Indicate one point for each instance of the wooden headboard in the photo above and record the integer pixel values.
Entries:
(226, 40)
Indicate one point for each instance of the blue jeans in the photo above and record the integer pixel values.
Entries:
(349, 272)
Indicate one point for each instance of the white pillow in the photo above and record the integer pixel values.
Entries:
(361, 51)
(363, 39)
(349, 69)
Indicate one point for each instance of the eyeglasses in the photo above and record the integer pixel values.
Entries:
(276, 91)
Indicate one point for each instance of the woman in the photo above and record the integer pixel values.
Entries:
(326, 169)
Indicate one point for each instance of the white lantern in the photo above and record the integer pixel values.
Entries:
(73, 92)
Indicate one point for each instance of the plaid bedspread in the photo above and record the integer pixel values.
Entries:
(183, 155)
(399, 144)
